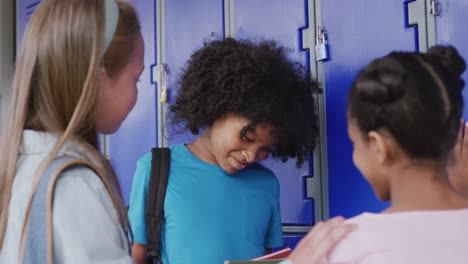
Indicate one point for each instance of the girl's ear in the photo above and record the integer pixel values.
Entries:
(104, 75)
(104, 80)
(380, 146)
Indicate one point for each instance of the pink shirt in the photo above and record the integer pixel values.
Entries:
(429, 237)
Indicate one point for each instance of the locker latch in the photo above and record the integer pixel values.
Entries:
(160, 72)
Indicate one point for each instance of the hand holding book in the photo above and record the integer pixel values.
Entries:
(314, 248)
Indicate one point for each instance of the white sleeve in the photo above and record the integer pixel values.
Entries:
(286, 261)
(85, 223)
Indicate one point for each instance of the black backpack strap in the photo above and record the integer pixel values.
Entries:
(154, 211)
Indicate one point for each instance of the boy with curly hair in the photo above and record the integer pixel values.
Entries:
(250, 101)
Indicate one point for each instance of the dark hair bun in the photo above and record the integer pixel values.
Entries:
(382, 83)
(451, 60)
(404, 93)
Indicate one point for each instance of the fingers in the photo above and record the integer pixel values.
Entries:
(334, 236)
(320, 241)
(321, 230)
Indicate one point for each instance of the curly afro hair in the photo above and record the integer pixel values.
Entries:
(256, 81)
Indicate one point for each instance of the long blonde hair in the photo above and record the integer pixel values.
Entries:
(56, 84)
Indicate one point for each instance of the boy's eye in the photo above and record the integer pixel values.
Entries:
(263, 153)
(266, 149)
(246, 138)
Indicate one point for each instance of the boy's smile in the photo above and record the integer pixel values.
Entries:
(222, 145)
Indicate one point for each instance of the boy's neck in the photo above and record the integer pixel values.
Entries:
(423, 187)
(201, 148)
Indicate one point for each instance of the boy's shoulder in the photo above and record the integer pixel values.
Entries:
(145, 160)
(259, 173)
(261, 170)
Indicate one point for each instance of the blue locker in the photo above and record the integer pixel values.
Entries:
(359, 31)
(292, 240)
(188, 25)
(280, 21)
(24, 10)
(138, 133)
(451, 28)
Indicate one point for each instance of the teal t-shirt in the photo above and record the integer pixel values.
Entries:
(209, 215)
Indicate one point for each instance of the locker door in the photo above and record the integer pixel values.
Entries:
(358, 31)
(138, 133)
(451, 28)
(280, 21)
(187, 24)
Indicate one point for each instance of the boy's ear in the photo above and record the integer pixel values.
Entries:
(380, 147)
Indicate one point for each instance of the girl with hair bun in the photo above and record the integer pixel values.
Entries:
(404, 113)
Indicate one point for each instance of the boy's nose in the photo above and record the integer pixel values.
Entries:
(249, 156)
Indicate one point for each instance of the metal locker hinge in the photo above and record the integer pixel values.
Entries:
(435, 8)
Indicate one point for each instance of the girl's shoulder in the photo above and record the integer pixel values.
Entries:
(81, 178)
(380, 237)
(80, 191)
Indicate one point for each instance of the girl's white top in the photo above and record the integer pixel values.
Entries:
(85, 224)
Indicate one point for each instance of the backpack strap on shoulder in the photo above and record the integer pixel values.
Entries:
(154, 211)
(37, 246)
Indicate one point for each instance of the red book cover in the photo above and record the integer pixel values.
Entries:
(280, 254)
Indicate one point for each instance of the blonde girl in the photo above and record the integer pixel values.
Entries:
(75, 77)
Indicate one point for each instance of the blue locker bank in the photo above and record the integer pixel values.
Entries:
(351, 34)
